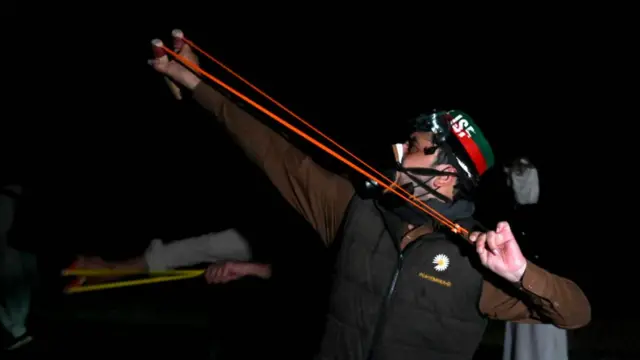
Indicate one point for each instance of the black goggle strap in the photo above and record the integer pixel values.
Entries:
(423, 184)
(468, 179)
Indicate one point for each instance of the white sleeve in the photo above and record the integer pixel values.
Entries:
(209, 248)
(535, 184)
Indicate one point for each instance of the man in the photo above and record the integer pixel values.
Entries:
(405, 288)
(17, 269)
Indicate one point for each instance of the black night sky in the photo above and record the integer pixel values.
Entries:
(114, 161)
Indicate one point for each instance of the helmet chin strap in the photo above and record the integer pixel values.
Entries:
(423, 184)
(407, 212)
(410, 187)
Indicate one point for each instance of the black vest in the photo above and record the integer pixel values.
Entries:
(387, 304)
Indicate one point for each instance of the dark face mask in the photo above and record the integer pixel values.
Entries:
(392, 167)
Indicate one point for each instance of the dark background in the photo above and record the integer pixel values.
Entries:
(112, 161)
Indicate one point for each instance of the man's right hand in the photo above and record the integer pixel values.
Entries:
(176, 71)
(233, 270)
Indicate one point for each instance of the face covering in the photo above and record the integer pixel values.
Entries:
(392, 168)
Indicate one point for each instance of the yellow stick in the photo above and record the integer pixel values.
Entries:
(111, 272)
(119, 284)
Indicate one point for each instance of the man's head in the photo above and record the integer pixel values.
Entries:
(443, 157)
(421, 152)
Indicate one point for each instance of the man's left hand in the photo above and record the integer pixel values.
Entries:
(499, 252)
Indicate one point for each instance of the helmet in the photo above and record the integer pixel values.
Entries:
(456, 131)
(456, 134)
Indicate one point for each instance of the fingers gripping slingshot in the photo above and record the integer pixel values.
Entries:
(161, 53)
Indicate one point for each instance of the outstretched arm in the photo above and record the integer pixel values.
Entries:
(320, 196)
(228, 245)
(317, 194)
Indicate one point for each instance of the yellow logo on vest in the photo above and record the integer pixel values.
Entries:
(441, 261)
(435, 279)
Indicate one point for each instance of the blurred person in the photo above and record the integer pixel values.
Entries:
(404, 287)
(17, 274)
(522, 179)
(227, 245)
(530, 341)
(248, 306)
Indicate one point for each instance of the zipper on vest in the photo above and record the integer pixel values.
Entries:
(382, 316)
(394, 280)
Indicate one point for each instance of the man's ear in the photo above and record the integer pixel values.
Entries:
(445, 180)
